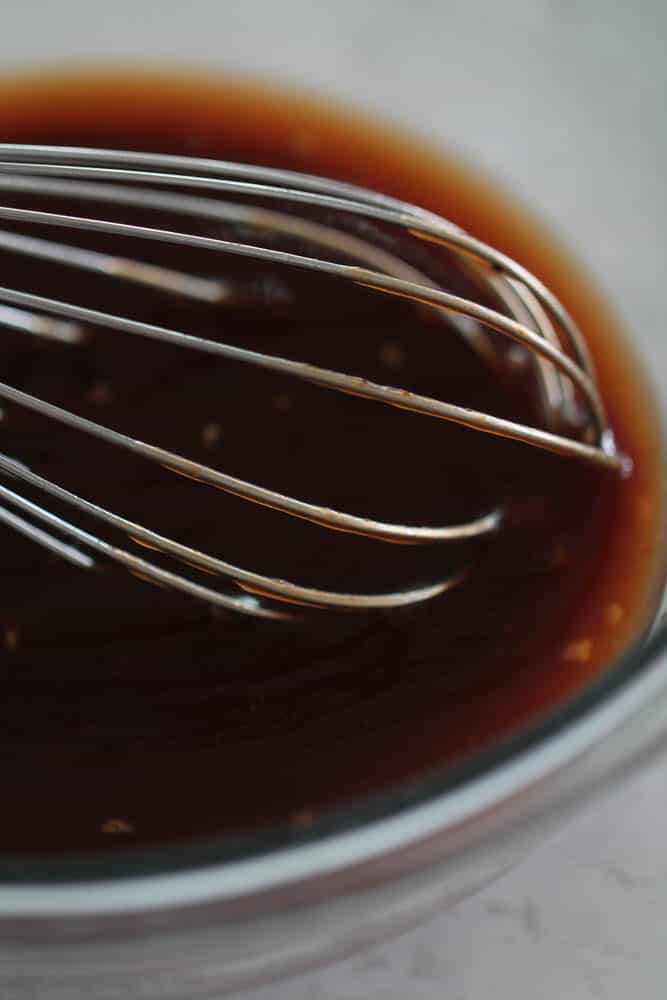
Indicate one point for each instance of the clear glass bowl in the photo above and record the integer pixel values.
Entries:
(193, 921)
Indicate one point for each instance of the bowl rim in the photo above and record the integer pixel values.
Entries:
(351, 835)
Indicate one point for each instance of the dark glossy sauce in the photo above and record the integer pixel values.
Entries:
(130, 710)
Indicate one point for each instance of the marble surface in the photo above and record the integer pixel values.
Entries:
(582, 919)
(565, 101)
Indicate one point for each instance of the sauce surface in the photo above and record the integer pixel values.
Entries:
(133, 716)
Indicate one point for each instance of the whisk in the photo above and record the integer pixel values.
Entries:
(575, 423)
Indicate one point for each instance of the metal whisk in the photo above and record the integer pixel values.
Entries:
(531, 318)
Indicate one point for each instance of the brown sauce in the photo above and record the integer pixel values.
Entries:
(133, 716)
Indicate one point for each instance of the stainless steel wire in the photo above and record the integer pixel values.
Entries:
(532, 318)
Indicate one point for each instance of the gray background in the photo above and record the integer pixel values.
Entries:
(565, 101)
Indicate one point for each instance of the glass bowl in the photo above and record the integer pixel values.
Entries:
(209, 918)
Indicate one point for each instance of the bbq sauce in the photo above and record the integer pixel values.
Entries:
(135, 716)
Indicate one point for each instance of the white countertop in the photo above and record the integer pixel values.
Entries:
(584, 919)
(566, 101)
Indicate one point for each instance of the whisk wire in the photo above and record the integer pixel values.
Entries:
(537, 322)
